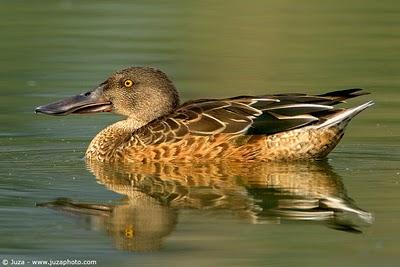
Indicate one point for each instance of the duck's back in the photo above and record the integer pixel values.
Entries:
(245, 128)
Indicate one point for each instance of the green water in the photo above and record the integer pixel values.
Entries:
(51, 49)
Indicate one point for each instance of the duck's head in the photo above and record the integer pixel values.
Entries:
(140, 93)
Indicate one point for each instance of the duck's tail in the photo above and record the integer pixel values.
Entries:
(343, 116)
(342, 95)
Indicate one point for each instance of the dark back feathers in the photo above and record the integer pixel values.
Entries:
(252, 115)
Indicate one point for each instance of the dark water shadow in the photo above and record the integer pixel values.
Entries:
(309, 192)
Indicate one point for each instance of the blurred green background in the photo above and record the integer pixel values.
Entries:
(54, 48)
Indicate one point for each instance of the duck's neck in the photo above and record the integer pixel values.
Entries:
(107, 141)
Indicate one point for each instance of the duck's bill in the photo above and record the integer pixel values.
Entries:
(90, 102)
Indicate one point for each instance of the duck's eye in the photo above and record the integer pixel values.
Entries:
(128, 83)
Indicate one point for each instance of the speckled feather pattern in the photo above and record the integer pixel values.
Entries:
(264, 128)
(303, 143)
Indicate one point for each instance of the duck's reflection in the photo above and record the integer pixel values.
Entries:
(255, 192)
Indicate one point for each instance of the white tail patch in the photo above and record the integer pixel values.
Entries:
(345, 115)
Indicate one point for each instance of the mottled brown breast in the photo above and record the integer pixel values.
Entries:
(304, 143)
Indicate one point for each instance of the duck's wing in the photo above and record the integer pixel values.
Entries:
(266, 114)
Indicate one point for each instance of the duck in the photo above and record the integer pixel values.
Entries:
(157, 128)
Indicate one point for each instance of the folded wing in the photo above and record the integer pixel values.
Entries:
(253, 115)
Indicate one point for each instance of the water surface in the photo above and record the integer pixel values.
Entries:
(343, 211)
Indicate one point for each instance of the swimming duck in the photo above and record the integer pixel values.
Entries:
(278, 127)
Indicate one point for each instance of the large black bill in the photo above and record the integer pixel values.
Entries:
(90, 102)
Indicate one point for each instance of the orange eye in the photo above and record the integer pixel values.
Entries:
(128, 83)
(129, 231)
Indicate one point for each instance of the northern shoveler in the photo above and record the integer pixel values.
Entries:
(282, 127)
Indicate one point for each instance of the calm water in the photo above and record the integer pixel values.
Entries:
(340, 212)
